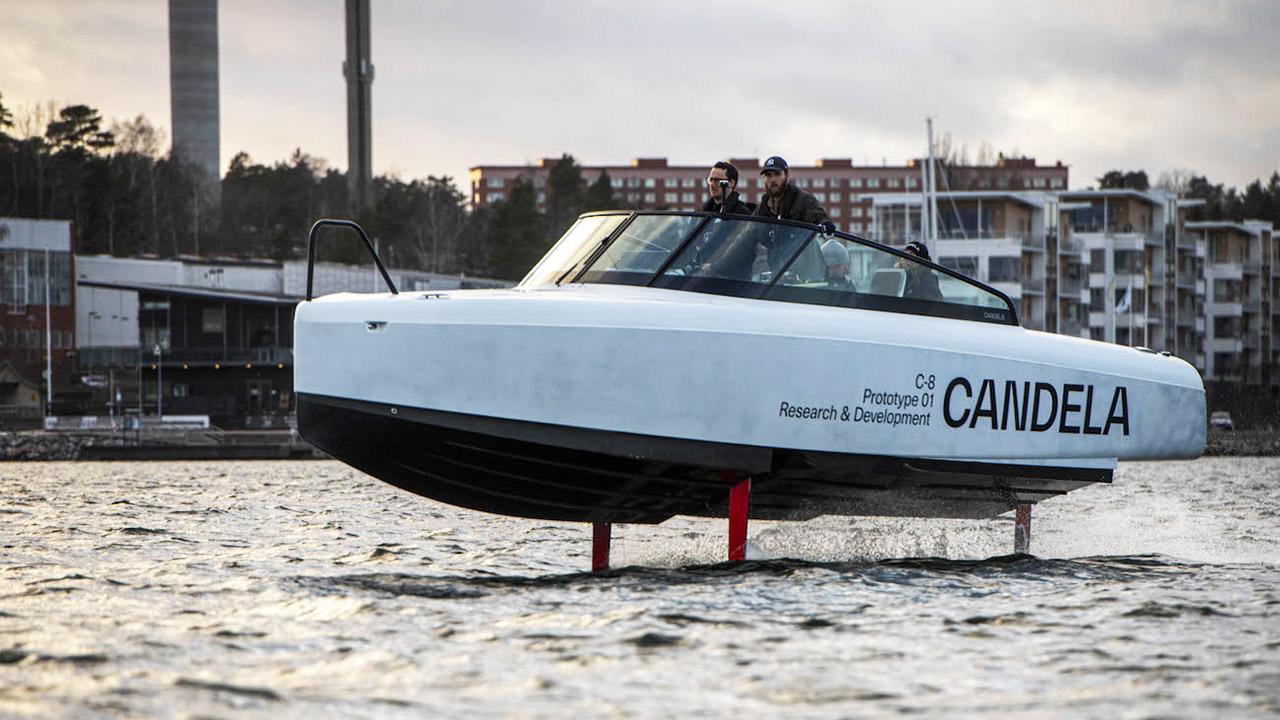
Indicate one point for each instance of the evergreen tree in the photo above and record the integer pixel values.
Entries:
(600, 195)
(516, 239)
(564, 195)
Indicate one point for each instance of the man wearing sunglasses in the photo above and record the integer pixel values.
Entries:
(722, 191)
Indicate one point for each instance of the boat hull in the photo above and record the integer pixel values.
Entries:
(610, 403)
(572, 474)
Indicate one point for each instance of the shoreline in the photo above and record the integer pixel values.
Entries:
(39, 445)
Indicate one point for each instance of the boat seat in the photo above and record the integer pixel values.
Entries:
(888, 281)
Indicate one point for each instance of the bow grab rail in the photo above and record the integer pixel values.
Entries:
(311, 251)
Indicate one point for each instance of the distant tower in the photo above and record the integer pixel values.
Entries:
(193, 83)
(358, 69)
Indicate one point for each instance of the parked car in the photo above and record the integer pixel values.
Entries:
(1221, 419)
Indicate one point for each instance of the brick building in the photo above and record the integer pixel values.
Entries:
(843, 188)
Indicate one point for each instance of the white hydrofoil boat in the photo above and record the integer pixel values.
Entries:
(661, 363)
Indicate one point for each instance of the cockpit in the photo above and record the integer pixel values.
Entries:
(761, 258)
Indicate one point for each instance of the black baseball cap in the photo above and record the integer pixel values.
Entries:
(919, 249)
(774, 163)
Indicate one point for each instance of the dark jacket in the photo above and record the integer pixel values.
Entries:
(922, 284)
(795, 204)
(735, 206)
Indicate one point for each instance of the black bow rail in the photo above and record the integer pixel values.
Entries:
(311, 251)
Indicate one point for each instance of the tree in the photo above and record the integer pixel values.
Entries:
(564, 195)
(78, 128)
(600, 195)
(1115, 179)
(1175, 180)
(6, 119)
(516, 239)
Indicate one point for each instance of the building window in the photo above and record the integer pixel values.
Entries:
(1129, 261)
(834, 212)
(1037, 182)
(1098, 298)
(820, 197)
(633, 198)
(542, 198)
(873, 182)
(893, 183)
(1055, 183)
(670, 182)
(649, 198)
(633, 182)
(493, 183)
(211, 320)
(911, 183)
(819, 182)
(650, 182)
(966, 265)
(1226, 291)
(855, 211)
(1003, 269)
(803, 182)
(835, 197)
(688, 182)
(688, 198)
(670, 198)
(539, 182)
(616, 183)
(1097, 260)
(855, 182)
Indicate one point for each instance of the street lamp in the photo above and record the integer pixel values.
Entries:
(159, 384)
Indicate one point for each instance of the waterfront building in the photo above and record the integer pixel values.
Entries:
(1241, 296)
(1115, 265)
(37, 313)
(205, 336)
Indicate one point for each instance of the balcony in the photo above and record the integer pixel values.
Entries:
(267, 355)
(1070, 246)
(1032, 242)
(101, 358)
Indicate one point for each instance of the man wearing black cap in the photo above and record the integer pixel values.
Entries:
(722, 191)
(922, 282)
(785, 201)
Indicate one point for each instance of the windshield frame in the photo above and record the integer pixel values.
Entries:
(762, 291)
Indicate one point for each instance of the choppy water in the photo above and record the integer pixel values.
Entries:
(280, 589)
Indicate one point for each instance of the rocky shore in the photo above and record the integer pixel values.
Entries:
(39, 445)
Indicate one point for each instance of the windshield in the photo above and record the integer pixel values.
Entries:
(761, 258)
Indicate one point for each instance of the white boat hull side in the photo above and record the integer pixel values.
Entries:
(677, 364)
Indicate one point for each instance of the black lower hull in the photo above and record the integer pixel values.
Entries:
(560, 473)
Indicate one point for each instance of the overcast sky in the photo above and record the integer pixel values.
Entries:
(1133, 85)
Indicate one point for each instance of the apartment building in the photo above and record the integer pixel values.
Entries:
(1242, 296)
(842, 187)
(1118, 266)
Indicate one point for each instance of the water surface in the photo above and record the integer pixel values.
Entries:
(306, 589)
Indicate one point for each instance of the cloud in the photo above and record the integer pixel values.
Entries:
(1149, 84)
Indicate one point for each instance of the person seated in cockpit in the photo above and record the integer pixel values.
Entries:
(836, 256)
(922, 282)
